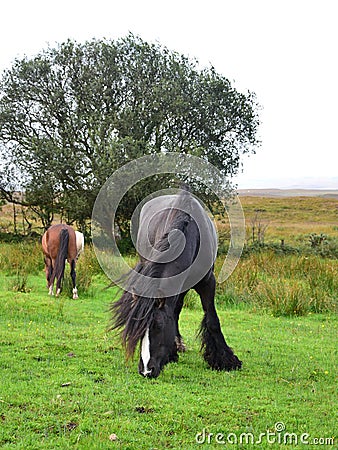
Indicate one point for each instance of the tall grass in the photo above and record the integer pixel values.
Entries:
(280, 284)
(283, 285)
(18, 261)
(22, 256)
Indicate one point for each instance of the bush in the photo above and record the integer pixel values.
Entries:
(323, 246)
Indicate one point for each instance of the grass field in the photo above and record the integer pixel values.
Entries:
(292, 218)
(64, 381)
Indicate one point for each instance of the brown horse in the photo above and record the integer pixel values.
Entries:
(58, 245)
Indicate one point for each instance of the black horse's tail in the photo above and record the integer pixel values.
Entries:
(60, 262)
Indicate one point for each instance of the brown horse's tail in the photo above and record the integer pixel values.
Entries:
(60, 262)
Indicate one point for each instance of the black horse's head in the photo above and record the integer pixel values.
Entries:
(158, 345)
(151, 322)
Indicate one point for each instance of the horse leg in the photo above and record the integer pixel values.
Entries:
(49, 272)
(58, 286)
(178, 339)
(52, 277)
(59, 278)
(216, 352)
(73, 275)
(48, 269)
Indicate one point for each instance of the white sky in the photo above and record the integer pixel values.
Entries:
(284, 50)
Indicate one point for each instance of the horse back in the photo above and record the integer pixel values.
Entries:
(158, 215)
(164, 214)
(51, 241)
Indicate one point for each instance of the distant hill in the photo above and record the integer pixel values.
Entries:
(326, 193)
(288, 183)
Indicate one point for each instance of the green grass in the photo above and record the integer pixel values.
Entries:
(283, 285)
(65, 382)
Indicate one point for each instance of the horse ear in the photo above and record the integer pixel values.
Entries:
(160, 302)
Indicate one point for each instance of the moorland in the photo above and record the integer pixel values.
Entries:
(65, 382)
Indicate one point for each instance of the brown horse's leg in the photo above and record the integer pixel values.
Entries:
(73, 275)
(52, 277)
(49, 271)
(59, 279)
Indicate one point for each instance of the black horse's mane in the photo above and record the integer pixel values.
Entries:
(132, 314)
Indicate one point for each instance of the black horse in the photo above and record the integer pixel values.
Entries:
(178, 242)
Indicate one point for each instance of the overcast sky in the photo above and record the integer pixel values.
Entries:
(284, 50)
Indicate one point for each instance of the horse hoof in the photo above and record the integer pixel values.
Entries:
(75, 296)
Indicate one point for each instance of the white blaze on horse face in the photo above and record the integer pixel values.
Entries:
(145, 352)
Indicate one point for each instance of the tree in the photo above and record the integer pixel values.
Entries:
(73, 114)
